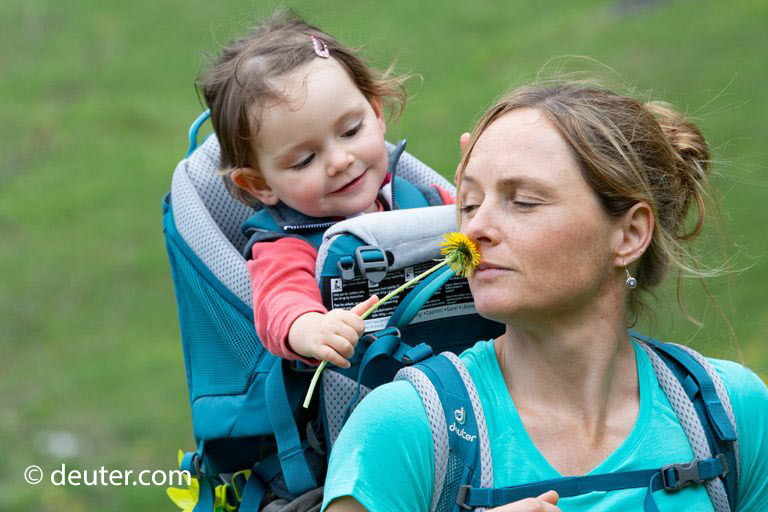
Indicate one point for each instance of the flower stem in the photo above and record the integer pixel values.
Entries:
(365, 315)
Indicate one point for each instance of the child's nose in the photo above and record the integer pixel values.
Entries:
(340, 160)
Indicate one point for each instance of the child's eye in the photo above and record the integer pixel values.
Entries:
(353, 131)
(304, 162)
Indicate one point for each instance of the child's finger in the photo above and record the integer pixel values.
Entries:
(361, 308)
(341, 345)
(549, 497)
(326, 353)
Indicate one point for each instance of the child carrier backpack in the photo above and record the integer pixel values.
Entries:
(463, 470)
(254, 442)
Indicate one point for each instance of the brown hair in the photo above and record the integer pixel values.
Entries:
(243, 75)
(628, 151)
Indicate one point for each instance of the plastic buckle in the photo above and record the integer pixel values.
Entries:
(686, 474)
(375, 270)
(346, 266)
(461, 497)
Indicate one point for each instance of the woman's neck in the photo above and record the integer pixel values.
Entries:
(579, 367)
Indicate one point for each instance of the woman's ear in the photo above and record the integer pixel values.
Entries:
(253, 182)
(634, 234)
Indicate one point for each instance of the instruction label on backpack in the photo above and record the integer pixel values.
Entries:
(452, 300)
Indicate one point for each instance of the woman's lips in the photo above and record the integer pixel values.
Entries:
(352, 186)
(487, 270)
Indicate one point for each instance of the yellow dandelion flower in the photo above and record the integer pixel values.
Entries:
(460, 252)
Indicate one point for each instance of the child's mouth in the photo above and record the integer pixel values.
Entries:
(352, 186)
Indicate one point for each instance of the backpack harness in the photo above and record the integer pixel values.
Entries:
(463, 466)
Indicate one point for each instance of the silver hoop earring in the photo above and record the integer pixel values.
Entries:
(631, 281)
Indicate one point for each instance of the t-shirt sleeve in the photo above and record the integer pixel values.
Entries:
(383, 456)
(749, 399)
(284, 288)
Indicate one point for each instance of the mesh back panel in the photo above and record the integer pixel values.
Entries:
(228, 212)
(221, 344)
(338, 391)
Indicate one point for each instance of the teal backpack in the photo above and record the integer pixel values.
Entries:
(255, 445)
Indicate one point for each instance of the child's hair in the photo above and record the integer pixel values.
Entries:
(243, 75)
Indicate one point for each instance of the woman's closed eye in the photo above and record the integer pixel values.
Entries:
(468, 208)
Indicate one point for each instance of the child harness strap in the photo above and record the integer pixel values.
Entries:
(691, 384)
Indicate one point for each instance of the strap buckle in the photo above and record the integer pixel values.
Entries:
(375, 270)
(237, 484)
(689, 473)
(461, 497)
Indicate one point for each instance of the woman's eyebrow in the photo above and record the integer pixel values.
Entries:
(515, 182)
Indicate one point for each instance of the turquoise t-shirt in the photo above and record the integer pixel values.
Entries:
(383, 456)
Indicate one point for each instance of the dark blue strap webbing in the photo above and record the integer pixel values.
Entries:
(298, 477)
(463, 434)
(206, 495)
(383, 346)
(253, 493)
(669, 478)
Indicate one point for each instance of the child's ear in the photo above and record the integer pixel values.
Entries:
(378, 109)
(253, 182)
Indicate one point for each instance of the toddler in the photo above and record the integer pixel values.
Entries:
(300, 121)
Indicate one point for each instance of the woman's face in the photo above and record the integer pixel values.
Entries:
(545, 242)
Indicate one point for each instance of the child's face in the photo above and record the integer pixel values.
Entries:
(322, 152)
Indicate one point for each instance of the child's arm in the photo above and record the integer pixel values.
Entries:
(284, 288)
(331, 336)
(288, 311)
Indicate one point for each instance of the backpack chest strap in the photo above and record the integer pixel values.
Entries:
(670, 478)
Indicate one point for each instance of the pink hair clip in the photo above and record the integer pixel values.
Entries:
(321, 49)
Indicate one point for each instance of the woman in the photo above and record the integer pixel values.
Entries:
(574, 196)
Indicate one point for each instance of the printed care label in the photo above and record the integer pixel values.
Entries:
(453, 299)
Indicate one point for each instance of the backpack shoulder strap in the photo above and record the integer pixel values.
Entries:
(697, 395)
(460, 441)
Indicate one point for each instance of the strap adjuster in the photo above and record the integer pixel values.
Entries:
(375, 270)
(676, 476)
(461, 497)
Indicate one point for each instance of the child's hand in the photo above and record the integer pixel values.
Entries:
(331, 336)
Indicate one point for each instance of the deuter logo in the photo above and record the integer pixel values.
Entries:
(460, 415)
(460, 432)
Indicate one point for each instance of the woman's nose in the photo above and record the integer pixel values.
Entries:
(480, 225)
(339, 160)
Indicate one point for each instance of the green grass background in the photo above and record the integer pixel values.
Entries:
(96, 99)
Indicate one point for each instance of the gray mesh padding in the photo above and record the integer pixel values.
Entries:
(486, 465)
(437, 424)
(338, 390)
(202, 234)
(229, 213)
(412, 236)
(691, 424)
(418, 173)
(722, 394)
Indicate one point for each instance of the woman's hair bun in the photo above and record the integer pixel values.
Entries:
(684, 137)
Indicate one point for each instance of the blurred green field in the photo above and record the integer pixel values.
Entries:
(96, 100)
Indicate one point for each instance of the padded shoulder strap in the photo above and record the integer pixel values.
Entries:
(698, 397)
(459, 435)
